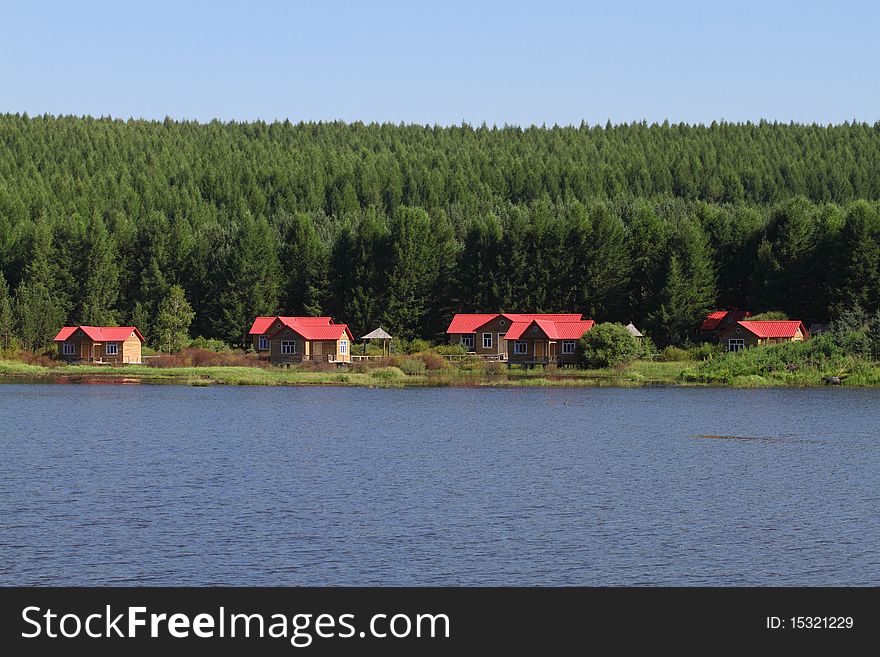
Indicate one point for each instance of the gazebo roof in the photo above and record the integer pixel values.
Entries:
(378, 334)
(633, 330)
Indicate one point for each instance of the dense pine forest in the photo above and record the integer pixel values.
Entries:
(404, 225)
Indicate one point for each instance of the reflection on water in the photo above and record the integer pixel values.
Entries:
(225, 485)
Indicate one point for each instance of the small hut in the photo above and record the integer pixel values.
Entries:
(378, 334)
(633, 331)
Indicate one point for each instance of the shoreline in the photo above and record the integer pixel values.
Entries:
(638, 375)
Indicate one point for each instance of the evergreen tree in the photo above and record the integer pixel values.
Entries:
(40, 308)
(858, 259)
(148, 284)
(358, 272)
(481, 268)
(100, 286)
(250, 279)
(596, 270)
(6, 317)
(173, 321)
(689, 289)
(304, 263)
(412, 272)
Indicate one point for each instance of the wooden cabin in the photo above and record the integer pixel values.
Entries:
(485, 334)
(264, 326)
(720, 320)
(100, 344)
(743, 335)
(295, 342)
(543, 341)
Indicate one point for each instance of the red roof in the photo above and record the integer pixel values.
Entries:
(554, 330)
(714, 319)
(315, 331)
(774, 329)
(470, 322)
(101, 333)
(261, 324)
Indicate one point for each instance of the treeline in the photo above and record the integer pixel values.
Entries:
(404, 225)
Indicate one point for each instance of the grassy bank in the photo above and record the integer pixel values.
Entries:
(637, 374)
(789, 365)
(793, 364)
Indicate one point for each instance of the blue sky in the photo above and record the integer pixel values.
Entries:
(445, 62)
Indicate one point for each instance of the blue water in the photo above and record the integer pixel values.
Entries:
(103, 484)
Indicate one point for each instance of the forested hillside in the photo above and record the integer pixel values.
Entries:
(404, 225)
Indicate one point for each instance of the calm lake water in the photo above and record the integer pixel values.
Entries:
(103, 484)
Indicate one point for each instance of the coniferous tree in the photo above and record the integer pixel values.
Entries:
(689, 288)
(596, 270)
(173, 321)
(412, 271)
(858, 259)
(100, 285)
(303, 260)
(481, 268)
(250, 279)
(148, 284)
(41, 310)
(358, 272)
(6, 317)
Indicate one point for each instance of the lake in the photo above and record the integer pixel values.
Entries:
(165, 485)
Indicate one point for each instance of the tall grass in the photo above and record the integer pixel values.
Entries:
(792, 363)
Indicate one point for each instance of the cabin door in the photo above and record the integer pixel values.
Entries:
(317, 349)
(539, 349)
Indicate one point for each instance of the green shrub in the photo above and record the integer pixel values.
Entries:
(210, 344)
(647, 348)
(674, 355)
(417, 345)
(472, 364)
(412, 366)
(606, 345)
(433, 360)
(387, 373)
(705, 351)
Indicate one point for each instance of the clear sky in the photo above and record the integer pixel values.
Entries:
(444, 62)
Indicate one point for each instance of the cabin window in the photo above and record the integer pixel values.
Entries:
(468, 341)
(343, 347)
(111, 349)
(736, 344)
(501, 340)
(68, 348)
(487, 340)
(288, 346)
(569, 346)
(263, 343)
(520, 347)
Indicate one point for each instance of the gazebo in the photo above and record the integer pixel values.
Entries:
(378, 334)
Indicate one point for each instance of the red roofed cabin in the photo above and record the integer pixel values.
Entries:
(296, 339)
(100, 344)
(541, 341)
(719, 320)
(263, 326)
(488, 334)
(762, 332)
